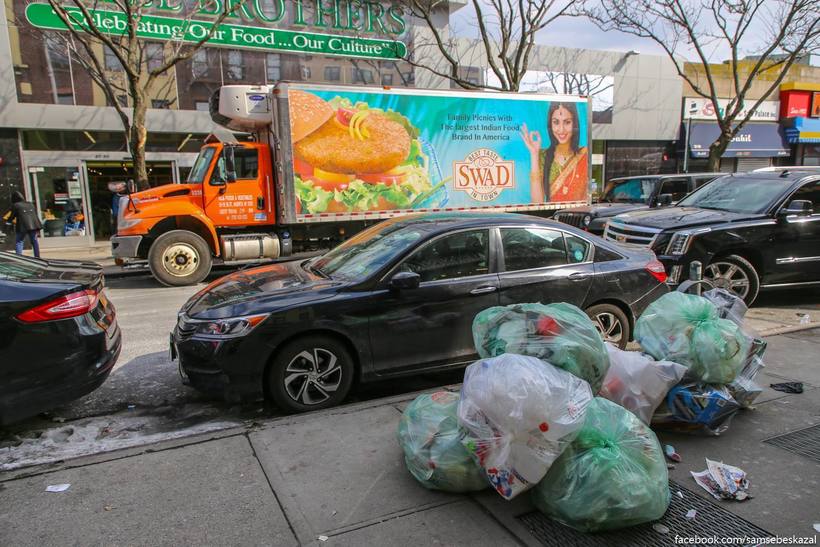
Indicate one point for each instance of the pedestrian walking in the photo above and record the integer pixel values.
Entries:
(24, 215)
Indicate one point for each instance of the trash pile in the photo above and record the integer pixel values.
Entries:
(723, 482)
(552, 409)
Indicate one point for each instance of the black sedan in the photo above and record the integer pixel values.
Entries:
(59, 337)
(398, 298)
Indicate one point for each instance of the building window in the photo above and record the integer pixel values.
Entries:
(362, 76)
(199, 63)
(154, 54)
(333, 73)
(305, 70)
(235, 69)
(273, 67)
(387, 79)
(160, 103)
(111, 61)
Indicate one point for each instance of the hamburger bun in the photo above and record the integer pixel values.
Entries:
(307, 113)
(331, 147)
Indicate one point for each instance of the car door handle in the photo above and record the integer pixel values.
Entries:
(579, 276)
(483, 290)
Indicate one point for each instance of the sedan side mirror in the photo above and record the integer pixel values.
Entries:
(405, 280)
(664, 199)
(798, 207)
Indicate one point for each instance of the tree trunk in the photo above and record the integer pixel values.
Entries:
(139, 135)
(716, 150)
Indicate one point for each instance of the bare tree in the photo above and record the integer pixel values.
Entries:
(506, 32)
(140, 65)
(787, 28)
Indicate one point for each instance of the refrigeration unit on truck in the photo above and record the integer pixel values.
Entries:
(318, 163)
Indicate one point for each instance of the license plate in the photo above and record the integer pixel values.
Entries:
(172, 348)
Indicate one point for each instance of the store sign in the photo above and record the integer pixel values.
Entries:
(698, 108)
(156, 27)
(815, 105)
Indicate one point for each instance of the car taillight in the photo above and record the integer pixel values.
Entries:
(655, 267)
(69, 305)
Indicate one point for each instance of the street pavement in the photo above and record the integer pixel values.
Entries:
(337, 477)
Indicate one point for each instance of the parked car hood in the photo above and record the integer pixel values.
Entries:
(260, 290)
(26, 269)
(605, 209)
(682, 217)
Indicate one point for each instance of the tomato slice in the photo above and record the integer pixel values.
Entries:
(303, 168)
(383, 178)
(328, 185)
(344, 115)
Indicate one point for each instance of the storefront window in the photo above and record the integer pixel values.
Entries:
(273, 67)
(73, 140)
(174, 142)
(59, 196)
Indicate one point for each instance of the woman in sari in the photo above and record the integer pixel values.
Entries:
(558, 173)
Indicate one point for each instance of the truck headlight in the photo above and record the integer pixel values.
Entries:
(681, 241)
(587, 220)
(233, 327)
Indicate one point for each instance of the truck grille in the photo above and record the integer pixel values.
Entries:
(573, 219)
(628, 234)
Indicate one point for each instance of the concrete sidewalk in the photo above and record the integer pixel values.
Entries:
(337, 477)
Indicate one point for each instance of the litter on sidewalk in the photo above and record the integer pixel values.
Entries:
(788, 387)
(57, 487)
(723, 481)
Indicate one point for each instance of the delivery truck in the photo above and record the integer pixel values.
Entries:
(304, 166)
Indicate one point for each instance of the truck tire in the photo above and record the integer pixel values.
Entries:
(310, 373)
(612, 323)
(179, 258)
(735, 274)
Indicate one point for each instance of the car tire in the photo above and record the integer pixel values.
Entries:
(179, 257)
(611, 322)
(304, 371)
(728, 272)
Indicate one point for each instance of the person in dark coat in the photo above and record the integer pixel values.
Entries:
(27, 223)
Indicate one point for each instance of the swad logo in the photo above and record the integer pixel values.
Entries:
(483, 175)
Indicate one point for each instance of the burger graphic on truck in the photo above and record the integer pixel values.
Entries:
(352, 158)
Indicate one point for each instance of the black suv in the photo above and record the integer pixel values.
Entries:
(630, 194)
(751, 231)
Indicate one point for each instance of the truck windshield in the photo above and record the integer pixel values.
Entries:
(200, 168)
(737, 194)
(367, 252)
(630, 191)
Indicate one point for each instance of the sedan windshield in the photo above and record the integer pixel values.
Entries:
(630, 191)
(737, 194)
(367, 252)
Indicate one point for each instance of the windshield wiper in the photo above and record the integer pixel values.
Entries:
(314, 270)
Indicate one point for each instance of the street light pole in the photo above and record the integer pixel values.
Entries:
(686, 145)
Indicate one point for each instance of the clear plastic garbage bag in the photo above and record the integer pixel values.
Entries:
(430, 437)
(613, 474)
(561, 334)
(638, 382)
(519, 413)
(696, 408)
(728, 305)
(744, 388)
(686, 329)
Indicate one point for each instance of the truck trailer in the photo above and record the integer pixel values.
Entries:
(300, 167)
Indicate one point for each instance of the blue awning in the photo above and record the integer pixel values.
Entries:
(801, 129)
(754, 140)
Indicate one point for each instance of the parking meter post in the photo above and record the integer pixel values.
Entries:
(695, 275)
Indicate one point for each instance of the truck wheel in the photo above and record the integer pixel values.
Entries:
(611, 322)
(310, 373)
(179, 258)
(735, 274)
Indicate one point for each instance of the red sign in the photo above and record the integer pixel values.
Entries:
(815, 105)
(794, 103)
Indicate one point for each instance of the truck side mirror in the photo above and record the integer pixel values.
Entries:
(230, 163)
(664, 199)
(798, 207)
(405, 280)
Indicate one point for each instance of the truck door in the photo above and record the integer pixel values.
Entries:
(247, 201)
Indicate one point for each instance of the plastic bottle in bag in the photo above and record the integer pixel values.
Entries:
(430, 437)
(613, 474)
(519, 413)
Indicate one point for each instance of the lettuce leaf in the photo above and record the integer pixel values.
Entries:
(314, 198)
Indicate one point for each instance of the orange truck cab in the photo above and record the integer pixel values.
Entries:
(318, 163)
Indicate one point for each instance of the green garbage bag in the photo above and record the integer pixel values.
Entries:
(613, 474)
(686, 329)
(561, 334)
(430, 437)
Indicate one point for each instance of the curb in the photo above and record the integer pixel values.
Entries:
(789, 329)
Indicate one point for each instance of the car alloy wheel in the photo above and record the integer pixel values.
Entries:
(610, 328)
(729, 276)
(312, 376)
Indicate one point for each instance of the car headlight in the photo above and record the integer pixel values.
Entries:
(681, 241)
(587, 220)
(125, 223)
(233, 327)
